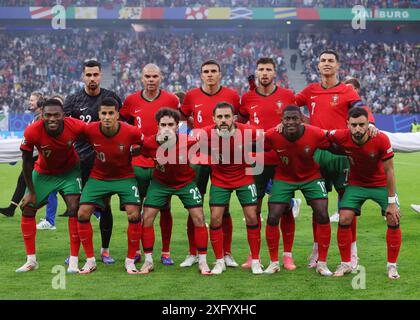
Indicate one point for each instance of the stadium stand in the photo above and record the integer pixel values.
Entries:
(388, 72)
(220, 3)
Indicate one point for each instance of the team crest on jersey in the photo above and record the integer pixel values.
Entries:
(307, 149)
(334, 100)
(372, 155)
(121, 146)
(279, 106)
(69, 143)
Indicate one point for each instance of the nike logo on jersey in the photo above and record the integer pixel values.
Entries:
(313, 97)
(137, 111)
(43, 147)
(82, 109)
(280, 150)
(96, 145)
(348, 152)
(253, 107)
(197, 105)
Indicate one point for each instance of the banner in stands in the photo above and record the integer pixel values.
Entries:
(208, 13)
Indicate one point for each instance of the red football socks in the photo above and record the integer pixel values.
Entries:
(201, 239)
(133, 238)
(191, 237)
(216, 238)
(393, 242)
(344, 240)
(272, 236)
(148, 239)
(227, 233)
(254, 240)
(28, 226)
(86, 237)
(74, 237)
(166, 222)
(287, 226)
(324, 237)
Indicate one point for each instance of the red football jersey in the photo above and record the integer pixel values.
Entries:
(200, 104)
(366, 161)
(264, 112)
(228, 164)
(143, 111)
(296, 159)
(113, 156)
(56, 154)
(328, 108)
(172, 167)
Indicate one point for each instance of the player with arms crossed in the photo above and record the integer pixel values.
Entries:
(328, 103)
(140, 108)
(262, 107)
(227, 143)
(371, 177)
(112, 173)
(295, 147)
(57, 169)
(199, 104)
(172, 176)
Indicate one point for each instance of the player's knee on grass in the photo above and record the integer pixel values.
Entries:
(29, 212)
(197, 216)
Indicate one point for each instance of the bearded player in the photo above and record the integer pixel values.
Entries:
(262, 107)
(227, 143)
(199, 104)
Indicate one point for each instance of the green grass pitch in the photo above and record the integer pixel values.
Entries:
(112, 282)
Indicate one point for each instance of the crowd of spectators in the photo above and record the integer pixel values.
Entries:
(47, 63)
(220, 3)
(180, 58)
(389, 73)
(51, 63)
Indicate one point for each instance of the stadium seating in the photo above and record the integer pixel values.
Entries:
(388, 72)
(221, 3)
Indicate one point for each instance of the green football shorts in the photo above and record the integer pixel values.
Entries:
(69, 183)
(246, 194)
(283, 192)
(158, 195)
(96, 190)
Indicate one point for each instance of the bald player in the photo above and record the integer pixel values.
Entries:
(139, 108)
